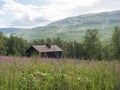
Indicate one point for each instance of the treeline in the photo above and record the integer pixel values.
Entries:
(13, 46)
(90, 49)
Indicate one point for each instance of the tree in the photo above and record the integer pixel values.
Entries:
(92, 45)
(107, 51)
(38, 42)
(58, 42)
(16, 46)
(48, 40)
(116, 42)
(3, 47)
(69, 49)
(77, 50)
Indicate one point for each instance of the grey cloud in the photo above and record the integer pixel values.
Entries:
(103, 5)
(110, 4)
(26, 22)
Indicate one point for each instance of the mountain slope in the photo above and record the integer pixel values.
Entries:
(8, 31)
(74, 28)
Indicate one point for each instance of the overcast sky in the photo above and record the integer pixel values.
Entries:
(31, 13)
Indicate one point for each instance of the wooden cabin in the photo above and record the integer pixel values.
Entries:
(49, 51)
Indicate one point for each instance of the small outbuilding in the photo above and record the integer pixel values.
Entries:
(50, 51)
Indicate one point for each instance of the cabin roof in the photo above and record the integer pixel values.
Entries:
(44, 48)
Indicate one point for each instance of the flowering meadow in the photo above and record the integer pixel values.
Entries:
(58, 74)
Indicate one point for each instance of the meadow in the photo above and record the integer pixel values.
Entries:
(58, 74)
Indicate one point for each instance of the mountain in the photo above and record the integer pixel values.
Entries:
(8, 31)
(74, 28)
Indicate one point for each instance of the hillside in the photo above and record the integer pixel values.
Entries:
(8, 31)
(74, 28)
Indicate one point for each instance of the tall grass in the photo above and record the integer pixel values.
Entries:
(27, 74)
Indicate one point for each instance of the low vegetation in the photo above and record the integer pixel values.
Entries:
(61, 74)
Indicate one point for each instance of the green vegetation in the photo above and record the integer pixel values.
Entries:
(39, 74)
(72, 28)
(2, 44)
(90, 49)
(12, 46)
(92, 45)
(16, 46)
(36, 73)
(91, 64)
(116, 42)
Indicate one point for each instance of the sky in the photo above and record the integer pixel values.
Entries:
(33, 13)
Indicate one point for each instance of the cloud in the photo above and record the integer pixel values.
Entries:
(59, 9)
(2, 23)
(72, 2)
(24, 15)
(1, 12)
(33, 13)
(26, 22)
(17, 8)
(109, 4)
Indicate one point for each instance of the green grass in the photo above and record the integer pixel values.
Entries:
(39, 74)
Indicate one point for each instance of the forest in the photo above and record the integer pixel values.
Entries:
(91, 48)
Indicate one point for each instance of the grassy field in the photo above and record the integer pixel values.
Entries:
(60, 74)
